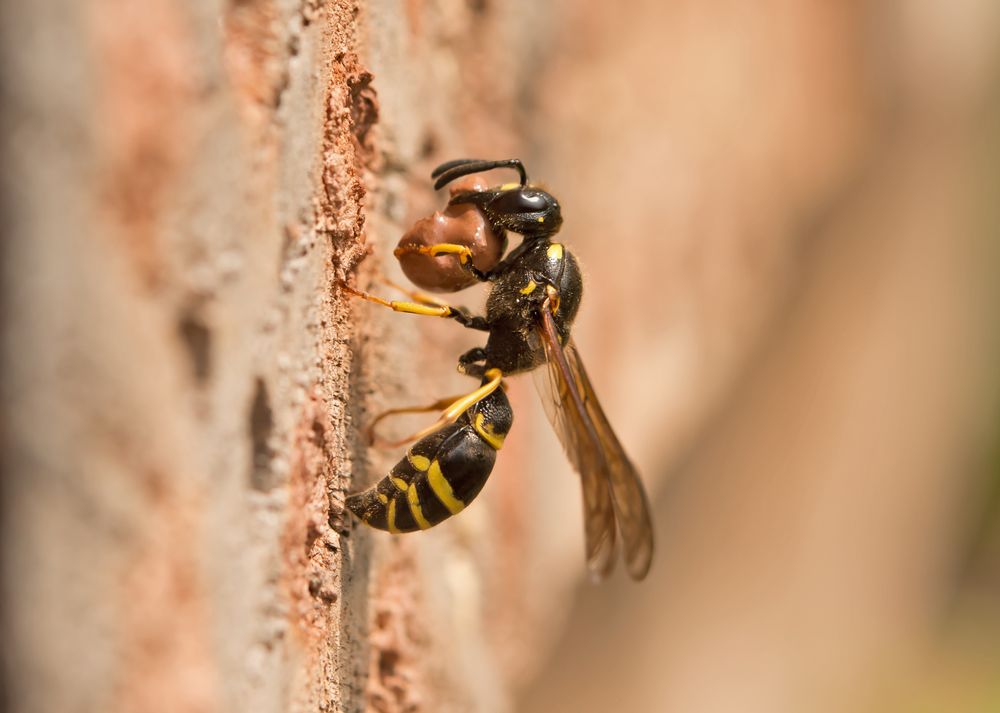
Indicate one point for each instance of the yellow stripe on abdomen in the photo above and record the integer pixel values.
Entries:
(418, 514)
(442, 489)
(390, 519)
(419, 462)
(485, 430)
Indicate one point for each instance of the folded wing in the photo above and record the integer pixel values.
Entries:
(613, 496)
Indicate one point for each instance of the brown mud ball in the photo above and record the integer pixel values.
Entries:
(457, 224)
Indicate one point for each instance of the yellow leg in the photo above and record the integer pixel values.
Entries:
(439, 404)
(464, 252)
(415, 295)
(451, 414)
(431, 310)
(426, 305)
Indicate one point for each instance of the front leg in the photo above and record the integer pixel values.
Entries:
(463, 252)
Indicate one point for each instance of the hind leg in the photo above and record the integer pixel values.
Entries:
(451, 413)
(372, 437)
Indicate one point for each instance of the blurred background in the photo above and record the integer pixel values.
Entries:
(788, 220)
(789, 216)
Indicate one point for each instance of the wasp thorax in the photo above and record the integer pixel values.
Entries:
(459, 224)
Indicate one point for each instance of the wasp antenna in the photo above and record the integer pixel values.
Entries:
(448, 165)
(448, 172)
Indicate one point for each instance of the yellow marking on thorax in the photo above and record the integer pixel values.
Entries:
(442, 489)
(509, 186)
(529, 288)
(486, 431)
(540, 219)
(399, 483)
(555, 251)
(382, 498)
(390, 519)
(415, 509)
(421, 463)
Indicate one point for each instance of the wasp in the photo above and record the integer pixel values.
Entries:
(534, 297)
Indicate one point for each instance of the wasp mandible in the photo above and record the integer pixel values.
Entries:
(534, 297)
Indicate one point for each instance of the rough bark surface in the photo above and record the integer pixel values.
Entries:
(183, 183)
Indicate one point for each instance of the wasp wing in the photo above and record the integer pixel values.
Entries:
(612, 489)
(563, 405)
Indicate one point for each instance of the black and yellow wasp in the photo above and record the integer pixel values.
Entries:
(535, 295)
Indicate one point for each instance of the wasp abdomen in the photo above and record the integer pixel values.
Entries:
(441, 473)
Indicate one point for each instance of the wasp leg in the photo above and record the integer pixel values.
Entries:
(370, 434)
(468, 362)
(459, 314)
(451, 414)
(462, 315)
(464, 256)
(416, 295)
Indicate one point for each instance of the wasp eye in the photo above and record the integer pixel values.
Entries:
(520, 202)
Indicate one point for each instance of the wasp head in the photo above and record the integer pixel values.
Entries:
(518, 207)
